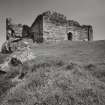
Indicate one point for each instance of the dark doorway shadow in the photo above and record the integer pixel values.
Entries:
(69, 36)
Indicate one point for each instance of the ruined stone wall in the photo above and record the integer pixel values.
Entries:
(53, 28)
(17, 37)
(74, 31)
(90, 33)
(80, 33)
(86, 33)
(13, 31)
(37, 29)
(17, 30)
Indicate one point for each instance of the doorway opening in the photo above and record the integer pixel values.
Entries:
(69, 36)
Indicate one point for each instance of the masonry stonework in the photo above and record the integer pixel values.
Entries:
(54, 29)
(37, 29)
(13, 31)
(52, 26)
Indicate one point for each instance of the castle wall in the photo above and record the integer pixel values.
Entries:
(53, 26)
(17, 31)
(37, 29)
(80, 33)
(53, 30)
(13, 31)
(90, 33)
(87, 32)
(74, 31)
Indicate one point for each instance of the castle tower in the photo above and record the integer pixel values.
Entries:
(8, 30)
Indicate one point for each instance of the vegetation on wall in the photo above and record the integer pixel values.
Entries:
(73, 23)
(55, 17)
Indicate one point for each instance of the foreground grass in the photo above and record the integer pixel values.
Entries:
(51, 81)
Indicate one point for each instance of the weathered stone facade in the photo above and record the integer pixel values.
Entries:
(81, 33)
(17, 36)
(13, 31)
(37, 29)
(49, 26)
(53, 26)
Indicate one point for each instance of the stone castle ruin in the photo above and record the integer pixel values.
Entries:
(16, 31)
(53, 26)
(17, 36)
(49, 26)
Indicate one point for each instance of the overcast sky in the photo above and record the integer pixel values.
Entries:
(84, 11)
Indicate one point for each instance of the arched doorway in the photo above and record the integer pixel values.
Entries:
(69, 36)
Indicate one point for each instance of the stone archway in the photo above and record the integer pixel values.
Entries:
(69, 36)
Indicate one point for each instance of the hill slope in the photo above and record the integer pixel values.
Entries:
(75, 51)
(66, 73)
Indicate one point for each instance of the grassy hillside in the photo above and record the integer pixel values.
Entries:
(66, 73)
(75, 51)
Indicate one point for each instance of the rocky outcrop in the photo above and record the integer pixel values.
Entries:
(24, 54)
(12, 45)
(16, 59)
